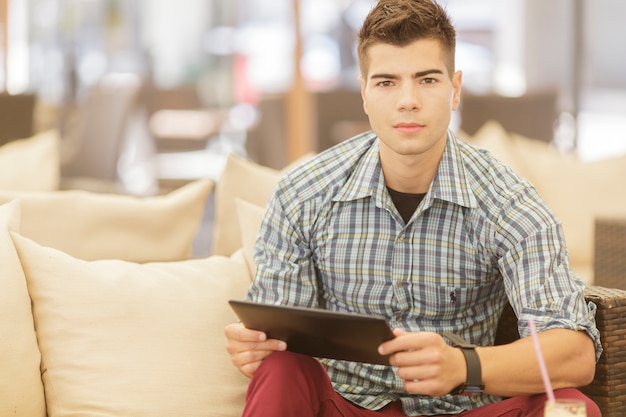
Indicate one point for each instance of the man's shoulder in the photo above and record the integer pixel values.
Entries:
(483, 167)
(328, 169)
(497, 187)
(475, 155)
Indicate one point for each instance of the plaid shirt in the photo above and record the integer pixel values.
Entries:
(481, 237)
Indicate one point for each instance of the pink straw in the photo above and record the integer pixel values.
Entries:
(542, 364)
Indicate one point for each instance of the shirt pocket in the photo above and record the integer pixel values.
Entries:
(456, 308)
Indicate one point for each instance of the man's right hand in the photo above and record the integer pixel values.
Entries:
(248, 348)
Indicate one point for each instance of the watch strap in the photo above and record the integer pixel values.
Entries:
(473, 383)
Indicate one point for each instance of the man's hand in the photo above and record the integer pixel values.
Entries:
(426, 363)
(248, 348)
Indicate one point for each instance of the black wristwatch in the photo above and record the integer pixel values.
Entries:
(474, 383)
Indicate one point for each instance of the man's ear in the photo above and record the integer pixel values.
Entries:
(362, 82)
(457, 82)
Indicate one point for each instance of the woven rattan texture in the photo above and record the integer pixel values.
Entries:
(610, 253)
(608, 388)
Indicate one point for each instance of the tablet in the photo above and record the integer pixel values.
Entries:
(317, 332)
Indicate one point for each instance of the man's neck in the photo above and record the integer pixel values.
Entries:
(408, 174)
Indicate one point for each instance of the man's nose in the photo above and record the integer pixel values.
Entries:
(409, 98)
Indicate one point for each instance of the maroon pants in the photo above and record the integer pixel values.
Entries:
(292, 385)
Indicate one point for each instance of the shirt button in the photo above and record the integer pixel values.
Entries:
(401, 237)
(401, 284)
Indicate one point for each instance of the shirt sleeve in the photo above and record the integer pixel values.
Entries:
(285, 269)
(534, 263)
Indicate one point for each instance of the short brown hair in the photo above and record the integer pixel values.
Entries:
(401, 22)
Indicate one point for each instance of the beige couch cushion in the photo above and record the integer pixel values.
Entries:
(21, 390)
(31, 164)
(240, 179)
(109, 226)
(119, 338)
(250, 219)
(248, 181)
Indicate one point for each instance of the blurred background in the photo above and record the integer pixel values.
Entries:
(148, 94)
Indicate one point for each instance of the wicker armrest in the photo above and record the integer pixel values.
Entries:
(610, 252)
(608, 388)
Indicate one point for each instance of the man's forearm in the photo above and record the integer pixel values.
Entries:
(513, 369)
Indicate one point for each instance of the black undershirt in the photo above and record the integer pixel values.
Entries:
(405, 203)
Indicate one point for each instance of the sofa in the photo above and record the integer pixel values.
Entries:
(107, 310)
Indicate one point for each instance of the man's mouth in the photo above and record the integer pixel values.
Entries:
(408, 127)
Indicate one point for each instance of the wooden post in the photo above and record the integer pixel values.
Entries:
(4, 21)
(299, 103)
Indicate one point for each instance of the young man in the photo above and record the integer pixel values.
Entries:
(409, 223)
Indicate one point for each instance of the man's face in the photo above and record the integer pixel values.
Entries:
(409, 95)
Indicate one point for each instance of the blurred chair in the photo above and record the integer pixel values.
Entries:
(533, 114)
(182, 97)
(266, 143)
(92, 150)
(610, 252)
(340, 115)
(178, 120)
(182, 130)
(16, 116)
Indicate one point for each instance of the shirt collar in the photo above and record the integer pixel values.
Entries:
(450, 182)
(366, 180)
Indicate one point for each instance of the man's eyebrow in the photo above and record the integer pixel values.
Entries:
(427, 72)
(386, 76)
(418, 74)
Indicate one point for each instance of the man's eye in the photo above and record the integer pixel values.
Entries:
(385, 84)
(429, 81)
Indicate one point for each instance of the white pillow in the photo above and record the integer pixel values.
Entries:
(94, 226)
(31, 164)
(119, 338)
(21, 390)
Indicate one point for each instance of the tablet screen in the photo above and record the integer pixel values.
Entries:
(317, 332)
